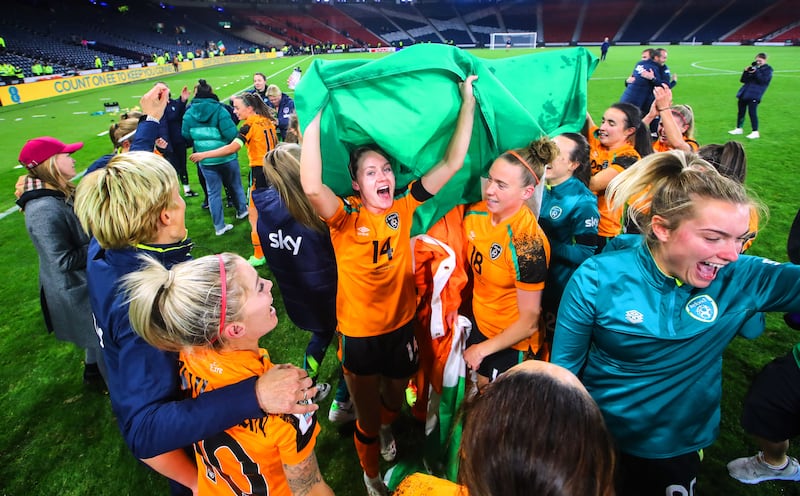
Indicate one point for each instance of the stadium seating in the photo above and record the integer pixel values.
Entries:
(771, 19)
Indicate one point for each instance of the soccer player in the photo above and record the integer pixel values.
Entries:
(508, 254)
(645, 327)
(569, 218)
(212, 311)
(258, 134)
(676, 123)
(618, 143)
(376, 298)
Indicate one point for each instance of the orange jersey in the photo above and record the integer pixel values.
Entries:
(600, 159)
(659, 146)
(376, 292)
(258, 135)
(511, 255)
(247, 458)
(419, 484)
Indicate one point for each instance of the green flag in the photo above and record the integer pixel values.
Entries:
(408, 103)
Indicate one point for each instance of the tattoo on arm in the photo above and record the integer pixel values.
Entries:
(303, 476)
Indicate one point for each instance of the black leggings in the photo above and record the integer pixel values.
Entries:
(752, 107)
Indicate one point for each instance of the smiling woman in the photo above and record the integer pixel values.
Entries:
(646, 327)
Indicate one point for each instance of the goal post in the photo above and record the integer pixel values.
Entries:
(513, 40)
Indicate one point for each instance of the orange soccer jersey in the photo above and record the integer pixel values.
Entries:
(658, 146)
(511, 255)
(247, 458)
(258, 135)
(601, 158)
(375, 292)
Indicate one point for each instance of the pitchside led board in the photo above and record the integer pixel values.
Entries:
(58, 85)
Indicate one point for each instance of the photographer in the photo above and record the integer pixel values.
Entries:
(756, 78)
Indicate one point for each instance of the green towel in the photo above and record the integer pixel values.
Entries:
(408, 103)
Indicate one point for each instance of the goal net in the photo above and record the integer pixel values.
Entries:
(512, 40)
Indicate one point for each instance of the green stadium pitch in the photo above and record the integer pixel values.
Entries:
(59, 438)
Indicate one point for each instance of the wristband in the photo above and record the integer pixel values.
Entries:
(661, 110)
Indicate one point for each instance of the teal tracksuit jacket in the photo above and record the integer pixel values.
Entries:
(649, 348)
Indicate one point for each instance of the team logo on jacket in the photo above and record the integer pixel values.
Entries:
(634, 316)
(703, 308)
(393, 220)
(495, 251)
(555, 212)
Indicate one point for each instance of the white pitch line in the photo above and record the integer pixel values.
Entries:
(79, 113)
(103, 133)
(9, 212)
(39, 115)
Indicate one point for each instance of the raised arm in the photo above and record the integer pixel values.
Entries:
(453, 159)
(322, 198)
(663, 104)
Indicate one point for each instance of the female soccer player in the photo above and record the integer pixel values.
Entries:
(212, 311)
(569, 219)
(376, 295)
(258, 134)
(645, 327)
(508, 254)
(676, 123)
(618, 143)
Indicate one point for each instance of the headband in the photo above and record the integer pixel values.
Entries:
(526, 164)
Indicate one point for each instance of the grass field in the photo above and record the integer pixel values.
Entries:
(59, 438)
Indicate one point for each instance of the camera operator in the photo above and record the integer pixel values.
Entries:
(756, 78)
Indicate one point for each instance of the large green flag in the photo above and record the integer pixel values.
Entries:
(408, 103)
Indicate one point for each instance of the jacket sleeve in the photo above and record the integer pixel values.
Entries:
(227, 128)
(576, 317)
(57, 238)
(154, 418)
(763, 76)
(186, 130)
(145, 138)
(775, 287)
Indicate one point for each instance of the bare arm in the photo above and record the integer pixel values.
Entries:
(232, 147)
(599, 181)
(304, 478)
(453, 159)
(177, 466)
(529, 304)
(588, 125)
(322, 198)
(662, 103)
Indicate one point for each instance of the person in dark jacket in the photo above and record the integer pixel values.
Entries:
(299, 252)
(755, 78)
(46, 199)
(283, 105)
(170, 131)
(155, 419)
(646, 75)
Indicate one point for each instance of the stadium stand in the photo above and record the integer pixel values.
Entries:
(560, 21)
(604, 19)
(769, 20)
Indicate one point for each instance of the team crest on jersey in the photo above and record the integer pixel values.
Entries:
(634, 316)
(495, 251)
(703, 308)
(393, 220)
(555, 212)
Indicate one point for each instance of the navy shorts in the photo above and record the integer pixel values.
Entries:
(657, 477)
(772, 405)
(394, 355)
(496, 363)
